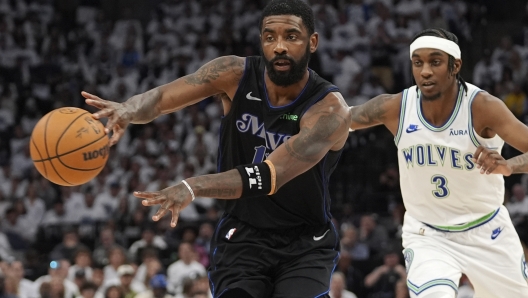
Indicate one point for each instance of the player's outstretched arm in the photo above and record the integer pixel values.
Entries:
(491, 114)
(220, 75)
(324, 127)
(382, 109)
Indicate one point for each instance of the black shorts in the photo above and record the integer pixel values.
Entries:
(288, 263)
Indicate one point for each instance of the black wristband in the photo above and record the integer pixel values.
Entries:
(256, 179)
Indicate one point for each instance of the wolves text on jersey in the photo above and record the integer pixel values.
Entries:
(250, 123)
(436, 155)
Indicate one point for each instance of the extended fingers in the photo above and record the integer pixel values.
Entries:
(104, 113)
(161, 212)
(175, 215)
(491, 162)
(147, 194)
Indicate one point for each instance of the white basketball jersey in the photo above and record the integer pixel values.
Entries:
(440, 184)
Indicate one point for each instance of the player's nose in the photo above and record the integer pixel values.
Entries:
(280, 47)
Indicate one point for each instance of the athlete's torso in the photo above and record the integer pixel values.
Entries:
(440, 184)
(252, 130)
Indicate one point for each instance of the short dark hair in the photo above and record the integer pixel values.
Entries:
(442, 33)
(290, 7)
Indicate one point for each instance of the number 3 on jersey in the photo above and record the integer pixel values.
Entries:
(441, 191)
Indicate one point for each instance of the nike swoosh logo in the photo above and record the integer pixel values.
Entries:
(321, 237)
(496, 233)
(409, 130)
(248, 96)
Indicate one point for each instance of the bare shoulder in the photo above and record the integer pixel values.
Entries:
(382, 109)
(222, 70)
(483, 99)
(485, 105)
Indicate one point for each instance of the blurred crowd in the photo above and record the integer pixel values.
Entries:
(96, 240)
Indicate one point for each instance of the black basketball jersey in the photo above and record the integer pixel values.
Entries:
(252, 130)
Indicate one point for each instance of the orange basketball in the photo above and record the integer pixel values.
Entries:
(68, 146)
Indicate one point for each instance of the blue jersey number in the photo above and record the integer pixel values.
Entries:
(260, 153)
(441, 190)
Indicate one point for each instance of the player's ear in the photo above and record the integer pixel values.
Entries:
(314, 42)
(457, 66)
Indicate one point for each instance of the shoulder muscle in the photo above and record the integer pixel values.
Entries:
(218, 72)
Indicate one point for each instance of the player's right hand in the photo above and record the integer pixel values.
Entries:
(173, 198)
(491, 162)
(117, 114)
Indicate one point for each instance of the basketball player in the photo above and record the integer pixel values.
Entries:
(283, 130)
(455, 222)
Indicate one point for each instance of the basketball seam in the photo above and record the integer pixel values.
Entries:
(38, 152)
(66, 153)
(46, 146)
(64, 131)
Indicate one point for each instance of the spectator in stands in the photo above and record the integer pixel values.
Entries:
(149, 239)
(68, 247)
(105, 244)
(116, 258)
(158, 288)
(338, 287)
(357, 250)
(88, 290)
(518, 204)
(487, 72)
(374, 235)
(353, 273)
(57, 273)
(382, 280)
(186, 266)
(148, 255)
(56, 215)
(83, 262)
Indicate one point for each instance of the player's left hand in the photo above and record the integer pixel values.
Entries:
(491, 162)
(173, 198)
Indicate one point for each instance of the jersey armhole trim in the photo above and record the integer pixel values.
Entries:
(471, 129)
(240, 85)
(402, 115)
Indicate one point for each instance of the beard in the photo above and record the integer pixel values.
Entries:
(292, 76)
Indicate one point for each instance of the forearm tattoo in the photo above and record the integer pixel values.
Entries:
(311, 141)
(212, 70)
(371, 112)
(519, 164)
(217, 193)
(144, 106)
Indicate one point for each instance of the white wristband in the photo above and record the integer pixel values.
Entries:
(189, 188)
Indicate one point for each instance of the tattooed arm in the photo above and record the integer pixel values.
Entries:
(220, 75)
(324, 127)
(382, 109)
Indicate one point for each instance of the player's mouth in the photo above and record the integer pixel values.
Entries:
(282, 65)
(427, 85)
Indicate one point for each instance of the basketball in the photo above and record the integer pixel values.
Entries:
(69, 147)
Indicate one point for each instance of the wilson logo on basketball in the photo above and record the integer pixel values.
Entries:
(96, 153)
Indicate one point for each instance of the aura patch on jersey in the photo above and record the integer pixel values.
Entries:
(250, 123)
(435, 155)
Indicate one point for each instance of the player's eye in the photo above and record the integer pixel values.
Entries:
(269, 38)
(417, 63)
(436, 62)
(292, 37)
